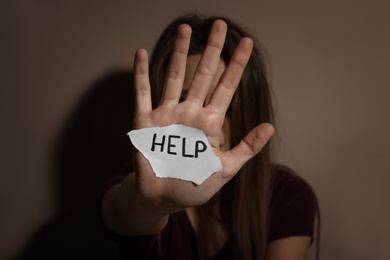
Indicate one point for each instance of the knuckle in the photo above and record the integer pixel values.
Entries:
(215, 45)
(250, 149)
(228, 83)
(141, 90)
(174, 75)
(205, 70)
(179, 51)
(140, 71)
(239, 62)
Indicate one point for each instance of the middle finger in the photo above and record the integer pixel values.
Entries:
(208, 64)
(176, 68)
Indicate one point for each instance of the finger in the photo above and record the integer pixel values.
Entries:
(177, 66)
(208, 64)
(142, 98)
(230, 79)
(251, 145)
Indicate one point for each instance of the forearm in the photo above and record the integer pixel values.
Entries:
(124, 213)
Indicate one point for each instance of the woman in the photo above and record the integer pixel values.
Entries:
(215, 81)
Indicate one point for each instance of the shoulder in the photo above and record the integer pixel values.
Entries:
(287, 185)
(293, 206)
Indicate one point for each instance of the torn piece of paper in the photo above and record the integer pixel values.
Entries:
(177, 151)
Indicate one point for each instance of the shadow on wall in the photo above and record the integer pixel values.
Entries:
(92, 147)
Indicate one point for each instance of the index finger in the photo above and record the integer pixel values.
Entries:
(176, 68)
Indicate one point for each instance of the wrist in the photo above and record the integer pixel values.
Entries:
(139, 214)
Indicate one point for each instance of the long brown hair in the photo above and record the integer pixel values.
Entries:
(245, 199)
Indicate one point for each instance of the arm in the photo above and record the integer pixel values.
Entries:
(126, 218)
(142, 203)
(290, 248)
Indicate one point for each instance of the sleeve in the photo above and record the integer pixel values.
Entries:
(293, 208)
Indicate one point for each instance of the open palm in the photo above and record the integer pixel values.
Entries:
(166, 195)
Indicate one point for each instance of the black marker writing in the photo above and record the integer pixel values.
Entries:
(200, 146)
(154, 142)
(197, 150)
(184, 149)
(170, 144)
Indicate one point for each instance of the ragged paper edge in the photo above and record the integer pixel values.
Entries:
(196, 171)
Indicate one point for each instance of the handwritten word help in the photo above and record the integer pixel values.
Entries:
(177, 151)
(171, 145)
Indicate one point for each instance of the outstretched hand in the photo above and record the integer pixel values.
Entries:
(199, 110)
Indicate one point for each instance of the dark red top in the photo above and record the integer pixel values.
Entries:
(292, 213)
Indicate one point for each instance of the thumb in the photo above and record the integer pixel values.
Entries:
(253, 142)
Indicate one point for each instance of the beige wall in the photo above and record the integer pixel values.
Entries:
(330, 69)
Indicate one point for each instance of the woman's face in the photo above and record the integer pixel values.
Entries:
(192, 63)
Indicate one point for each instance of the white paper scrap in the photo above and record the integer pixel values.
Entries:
(177, 151)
